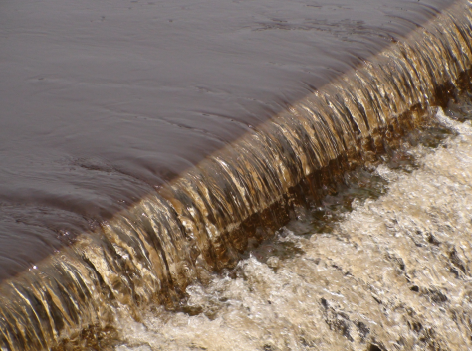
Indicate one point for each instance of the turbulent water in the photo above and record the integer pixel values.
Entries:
(101, 102)
(152, 152)
(392, 274)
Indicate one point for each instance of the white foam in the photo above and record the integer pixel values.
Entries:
(395, 273)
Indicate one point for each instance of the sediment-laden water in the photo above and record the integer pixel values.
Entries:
(147, 148)
(384, 263)
(101, 102)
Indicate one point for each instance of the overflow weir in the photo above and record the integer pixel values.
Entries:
(203, 219)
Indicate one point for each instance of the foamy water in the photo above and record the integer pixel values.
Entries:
(151, 147)
(393, 274)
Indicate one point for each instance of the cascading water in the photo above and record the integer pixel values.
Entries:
(393, 272)
(203, 220)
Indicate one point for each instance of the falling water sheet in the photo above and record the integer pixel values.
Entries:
(391, 274)
(139, 245)
(101, 102)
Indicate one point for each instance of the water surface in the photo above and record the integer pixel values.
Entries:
(384, 263)
(103, 101)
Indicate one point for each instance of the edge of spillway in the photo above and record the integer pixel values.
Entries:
(202, 220)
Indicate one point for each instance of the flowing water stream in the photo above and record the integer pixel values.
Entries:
(382, 263)
(330, 214)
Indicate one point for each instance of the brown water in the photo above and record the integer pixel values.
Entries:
(382, 264)
(143, 153)
(102, 101)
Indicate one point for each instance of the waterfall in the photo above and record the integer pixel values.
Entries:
(202, 220)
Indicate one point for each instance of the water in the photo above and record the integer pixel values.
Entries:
(104, 101)
(141, 154)
(392, 274)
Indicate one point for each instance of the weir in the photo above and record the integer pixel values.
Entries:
(203, 219)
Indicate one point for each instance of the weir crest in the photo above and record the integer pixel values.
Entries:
(202, 220)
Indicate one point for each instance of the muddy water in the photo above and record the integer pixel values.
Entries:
(383, 263)
(103, 101)
(101, 114)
